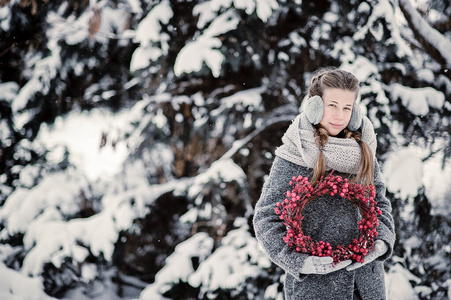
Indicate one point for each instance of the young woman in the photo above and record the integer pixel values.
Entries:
(330, 134)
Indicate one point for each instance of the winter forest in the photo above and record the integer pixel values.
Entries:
(136, 135)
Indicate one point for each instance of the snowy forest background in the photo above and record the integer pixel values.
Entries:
(135, 136)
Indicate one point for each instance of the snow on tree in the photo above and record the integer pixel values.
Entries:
(136, 137)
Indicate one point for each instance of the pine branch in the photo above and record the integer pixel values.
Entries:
(237, 145)
(434, 43)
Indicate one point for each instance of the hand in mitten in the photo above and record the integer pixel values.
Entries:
(322, 265)
(380, 248)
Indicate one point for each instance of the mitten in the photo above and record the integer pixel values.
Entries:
(380, 248)
(322, 265)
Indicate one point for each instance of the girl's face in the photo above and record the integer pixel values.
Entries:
(338, 104)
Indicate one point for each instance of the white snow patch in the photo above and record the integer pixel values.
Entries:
(237, 259)
(398, 285)
(403, 172)
(251, 97)
(418, 100)
(5, 134)
(272, 292)
(153, 42)
(263, 8)
(437, 183)
(225, 170)
(88, 272)
(9, 91)
(51, 239)
(179, 265)
(5, 18)
(361, 67)
(384, 9)
(82, 133)
(60, 190)
(440, 42)
(204, 49)
(17, 286)
(72, 30)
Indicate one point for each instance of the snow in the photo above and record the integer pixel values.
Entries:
(245, 98)
(55, 190)
(75, 30)
(398, 285)
(430, 34)
(44, 71)
(8, 91)
(5, 134)
(205, 13)
(263, 8)
(112, 20)
(135, 6)
(366, 72)
(225, 170)
(437, 174)
(106, 288)
(81, 133)
(51, 239)
(384, 9)
(437, 261)
(88, 272)
(5, 18)
(160, 120)
(102, 149)
(448, 284)
(361, 67)
(418, 100)
(237, 259)
(271, 292)
(149, 35)
(179, 265)
(204, 49)
(426, 75)
(143, 56)
(403, 172)
(72, 30)
(16, 286)
(149, 29)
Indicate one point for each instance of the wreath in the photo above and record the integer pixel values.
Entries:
(302, 193)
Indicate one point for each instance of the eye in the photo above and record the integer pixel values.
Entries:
(347, 108)
(332, 105)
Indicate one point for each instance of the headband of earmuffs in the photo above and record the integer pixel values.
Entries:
(314, 110)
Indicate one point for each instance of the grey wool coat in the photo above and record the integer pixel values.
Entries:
(332, 219)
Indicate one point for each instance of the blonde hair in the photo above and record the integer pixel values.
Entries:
(340, 79)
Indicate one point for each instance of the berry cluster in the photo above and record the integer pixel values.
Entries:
(290, 211)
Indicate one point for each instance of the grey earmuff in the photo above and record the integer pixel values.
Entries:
(314, 110)
(356, 118)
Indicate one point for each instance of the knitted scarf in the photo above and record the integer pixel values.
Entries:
(342, 155)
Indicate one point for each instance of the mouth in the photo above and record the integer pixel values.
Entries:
(335, 125)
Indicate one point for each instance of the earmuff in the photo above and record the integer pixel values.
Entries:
(314, 110)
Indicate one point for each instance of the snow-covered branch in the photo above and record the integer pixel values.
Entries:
(237, 145)
(437, 45)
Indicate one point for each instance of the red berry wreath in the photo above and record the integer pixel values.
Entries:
(290, 211)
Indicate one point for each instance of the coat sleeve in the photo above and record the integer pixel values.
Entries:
(269, 229)
(386, 229)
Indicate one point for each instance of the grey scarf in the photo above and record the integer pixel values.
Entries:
(342, 155)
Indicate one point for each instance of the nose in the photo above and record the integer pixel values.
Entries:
(338, 115)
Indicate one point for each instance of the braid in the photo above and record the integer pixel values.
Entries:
(366, 170)
(321, 138)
